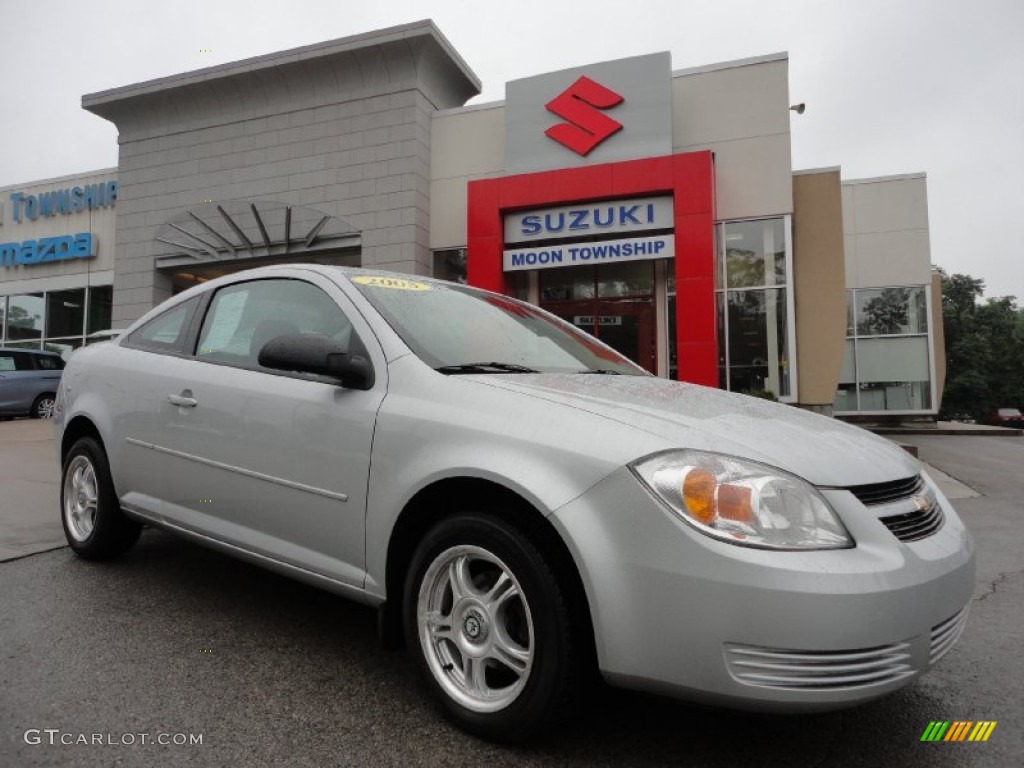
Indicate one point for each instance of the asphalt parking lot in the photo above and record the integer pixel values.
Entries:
(175, 641)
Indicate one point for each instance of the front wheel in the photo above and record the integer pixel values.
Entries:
(489, 625)
(94, 524)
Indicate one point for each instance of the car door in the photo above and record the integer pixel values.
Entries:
(11, 383)
(134, 391)
(273, 463)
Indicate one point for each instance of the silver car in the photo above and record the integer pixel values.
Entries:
(28, 382)
(522, 504)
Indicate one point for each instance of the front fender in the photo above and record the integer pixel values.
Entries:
(432, 428)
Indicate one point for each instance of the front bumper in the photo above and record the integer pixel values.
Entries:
(677, 612)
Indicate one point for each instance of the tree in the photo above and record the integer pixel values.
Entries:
(984, 349)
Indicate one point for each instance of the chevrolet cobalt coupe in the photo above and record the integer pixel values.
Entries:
(521, 503)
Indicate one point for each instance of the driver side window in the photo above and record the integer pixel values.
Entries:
(242, 318)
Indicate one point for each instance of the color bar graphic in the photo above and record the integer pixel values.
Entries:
(958, 730)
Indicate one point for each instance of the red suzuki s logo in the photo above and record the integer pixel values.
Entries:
(580, 106)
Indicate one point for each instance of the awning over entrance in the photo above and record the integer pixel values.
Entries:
(240, 230)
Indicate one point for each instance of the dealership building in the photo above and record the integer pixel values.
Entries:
(656, 208)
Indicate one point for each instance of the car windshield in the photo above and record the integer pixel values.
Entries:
(461, 330)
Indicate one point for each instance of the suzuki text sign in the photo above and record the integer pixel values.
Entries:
(587, 219)
(615, 110)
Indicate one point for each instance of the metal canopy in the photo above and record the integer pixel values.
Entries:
(239, 229)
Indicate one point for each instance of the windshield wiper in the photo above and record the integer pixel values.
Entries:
(603, 371)
(485, 368)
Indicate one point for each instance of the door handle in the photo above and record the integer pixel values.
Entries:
(184, 400)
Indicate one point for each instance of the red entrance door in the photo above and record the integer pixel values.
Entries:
(624, 324)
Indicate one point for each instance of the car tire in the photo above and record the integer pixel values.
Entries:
(95, 526)
(42, 407)
(490, 628)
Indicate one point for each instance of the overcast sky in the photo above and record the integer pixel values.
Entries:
(891, 86)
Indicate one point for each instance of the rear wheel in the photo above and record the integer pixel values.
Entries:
(43, 406)
(488, 623)
(94, 524)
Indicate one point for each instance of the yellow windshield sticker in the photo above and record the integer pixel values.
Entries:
(395, 283)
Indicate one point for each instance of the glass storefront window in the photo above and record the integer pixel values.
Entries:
(101, 302)
(65, 313)
(758, 341)
(25, 316)
(614, 302)
(886, 362)
(58, 318)
(563, 283)
(450, 264)
(519, 285)
(753, 307)
(895, 396)
(754, 253)
(634, 278)
(891, 311)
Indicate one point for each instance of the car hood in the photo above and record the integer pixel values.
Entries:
(824, 451)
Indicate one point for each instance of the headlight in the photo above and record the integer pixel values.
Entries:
(743, 502)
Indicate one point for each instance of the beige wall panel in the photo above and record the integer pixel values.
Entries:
(887, 206)
(448, 213)
(850, 267)
(753, 177)
(886, 225)
(730, 103)
(891, 258)
(741, 114)
(467, 143)
(818, 284)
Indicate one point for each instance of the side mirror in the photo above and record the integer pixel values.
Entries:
(320, 355)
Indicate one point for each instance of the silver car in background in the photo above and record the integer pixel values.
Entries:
(522, 504)
(28, 382)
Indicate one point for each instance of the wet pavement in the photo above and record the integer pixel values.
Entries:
(175, 641)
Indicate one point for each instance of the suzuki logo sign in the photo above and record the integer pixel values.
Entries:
(580, 106)
(591, 105)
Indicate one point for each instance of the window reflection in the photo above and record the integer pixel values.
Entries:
(891, 311)
(65, 312)
(752, 302)
(101, 301)
(758, 348)
(886, 363)
(25, 316)
(755, 253)
(37, 320)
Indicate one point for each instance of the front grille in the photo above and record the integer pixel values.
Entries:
(916, 525)
(818, 670)
(945, 635)
(875, 494)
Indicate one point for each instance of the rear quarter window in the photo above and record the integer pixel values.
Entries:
(167, 332)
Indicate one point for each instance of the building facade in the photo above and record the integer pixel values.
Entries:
(57, 260)
(655, 208)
